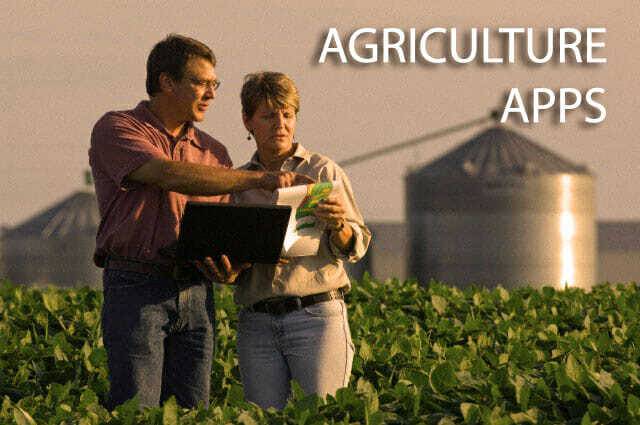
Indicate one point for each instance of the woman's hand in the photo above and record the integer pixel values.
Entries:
(333, 213)
(224, 272)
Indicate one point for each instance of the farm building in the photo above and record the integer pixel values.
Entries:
(55, 246)
(618, 251)
(387, 254)
(501, 209)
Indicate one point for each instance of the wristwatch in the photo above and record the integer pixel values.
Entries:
(339, 228)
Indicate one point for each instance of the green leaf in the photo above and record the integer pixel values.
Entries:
(617, 395)
(376, 418)
(470, 412)
(27, 340)
(88, 398)
(128, 410)
(419, 378)
(523, 392)
(633, 404)
(603, 380)
(170, 412)
(504, 294)
(364, 351)
(574, 369)
(442, 377)
(367, 389)
(245, 418)
(51, 301)
(22, 417)
(529, 417)
(556, 353)
(59, 354)
(497, 417)
(297, 393)
(439, 304)
(395, 349)
(598, 413)
(346, 397)
(235, 395)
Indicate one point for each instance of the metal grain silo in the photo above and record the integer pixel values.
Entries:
(55, 246)
(500, 209)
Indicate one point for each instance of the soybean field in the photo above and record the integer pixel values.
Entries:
(428, 354)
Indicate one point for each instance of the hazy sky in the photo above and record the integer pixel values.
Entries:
(64, 64)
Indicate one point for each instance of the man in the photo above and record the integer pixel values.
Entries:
(157, 318)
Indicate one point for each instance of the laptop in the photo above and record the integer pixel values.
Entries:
(244, 233)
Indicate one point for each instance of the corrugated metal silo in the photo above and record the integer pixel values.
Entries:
(56, 246)
(500, 209)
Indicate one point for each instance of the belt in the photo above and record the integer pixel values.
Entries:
(284, 305)
(172, 271)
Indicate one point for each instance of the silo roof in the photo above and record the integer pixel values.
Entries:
(498, 152)
(76, 213)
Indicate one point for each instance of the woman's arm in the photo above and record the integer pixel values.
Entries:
(333, 213)
(349, 237)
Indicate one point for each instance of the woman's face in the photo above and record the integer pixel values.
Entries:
(273, 130)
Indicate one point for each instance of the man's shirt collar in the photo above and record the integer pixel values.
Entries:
(149, 118)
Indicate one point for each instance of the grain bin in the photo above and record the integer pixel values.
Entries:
(55, 246)
(500, 209)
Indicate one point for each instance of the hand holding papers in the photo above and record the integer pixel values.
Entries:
(304, 229)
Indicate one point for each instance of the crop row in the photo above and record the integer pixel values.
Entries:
(429, 354)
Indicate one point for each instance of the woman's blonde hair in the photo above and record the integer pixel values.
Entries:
(275, 88)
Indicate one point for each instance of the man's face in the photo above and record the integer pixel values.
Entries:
(193, 94)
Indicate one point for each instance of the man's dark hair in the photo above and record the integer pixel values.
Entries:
(171, 56)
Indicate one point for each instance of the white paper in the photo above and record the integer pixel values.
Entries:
(304, 230)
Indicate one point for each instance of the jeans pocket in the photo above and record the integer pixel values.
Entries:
(325, 308)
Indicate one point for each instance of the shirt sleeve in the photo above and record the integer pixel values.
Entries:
(361, 233)
(119, 146)
(225, 162)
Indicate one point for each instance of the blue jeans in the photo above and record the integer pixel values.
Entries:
(312, 346)
(159, 339)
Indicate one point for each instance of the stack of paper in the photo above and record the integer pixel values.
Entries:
(304, 230)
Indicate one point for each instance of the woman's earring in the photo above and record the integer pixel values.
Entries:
(249, 136)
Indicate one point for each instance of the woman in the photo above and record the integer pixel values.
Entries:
(293, 324)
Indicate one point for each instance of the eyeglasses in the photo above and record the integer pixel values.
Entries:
(213, 84)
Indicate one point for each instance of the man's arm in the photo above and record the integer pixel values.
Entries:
(204, 180)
